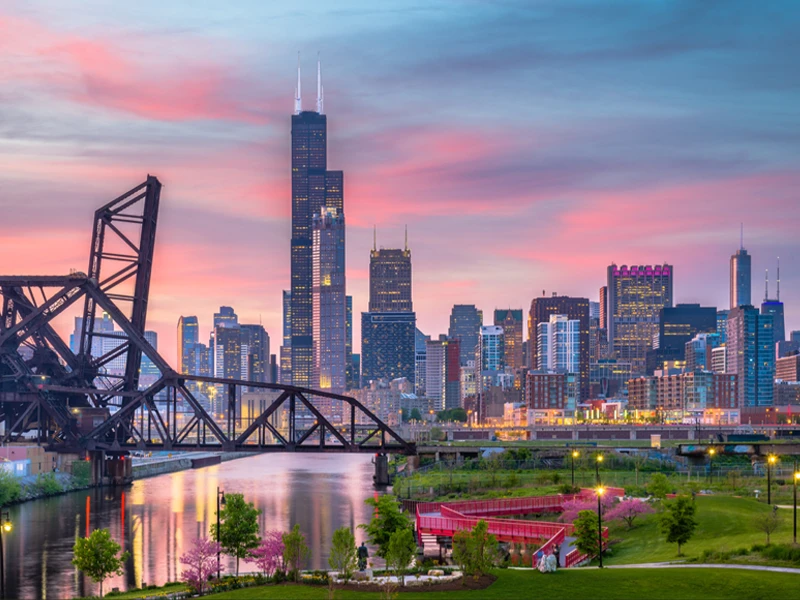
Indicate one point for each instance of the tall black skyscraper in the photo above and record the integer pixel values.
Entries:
(388, 342)
(313, 188)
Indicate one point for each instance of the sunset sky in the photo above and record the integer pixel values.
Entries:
(526, 145)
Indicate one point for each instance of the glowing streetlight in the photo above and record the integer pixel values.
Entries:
(7, 527)
(771, 460)
(711, 453)
(796, 478)
(575, 454)
(598, 460)
(600, 491)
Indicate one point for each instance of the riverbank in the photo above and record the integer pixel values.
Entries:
(169, 463)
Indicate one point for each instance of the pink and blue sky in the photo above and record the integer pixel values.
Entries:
(525, 144)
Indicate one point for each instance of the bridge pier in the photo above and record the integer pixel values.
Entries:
(381, 462)
(110, 469)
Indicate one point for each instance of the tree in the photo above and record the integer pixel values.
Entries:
(659, 486)
(295, 551)
(344, 554)
(201, 562)
(268, 556)
(572, 508)
(81, 473)
(678, 522)
(238, 529)
(585, 532)
(386, 519)
(415, 415)
(628, 510)
(768, 522)
(475, 551)
(96, 556)
(401, 549)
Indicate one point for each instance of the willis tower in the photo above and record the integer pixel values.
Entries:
(315, 190)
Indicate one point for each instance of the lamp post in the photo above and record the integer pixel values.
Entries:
(575, 455)
(600, 492)
(796, 478)
(711, 453)
(6, 528)
(597, 462)
(771, 460)
(220, 495)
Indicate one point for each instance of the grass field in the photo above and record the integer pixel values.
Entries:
(620, 584)
(724, 523)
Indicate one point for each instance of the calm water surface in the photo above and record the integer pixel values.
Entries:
(157, 519)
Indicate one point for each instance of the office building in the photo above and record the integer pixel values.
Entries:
(389, 329)
(188, 337)
(740, 282)
(285, 357)
(559, 345)
(603, 307)
(722, 325)
(609, 378)
(636, 296)
(511, 322)
(774, 307)
(751, 355)
(465, 324)
(420, 361)
(698, 351)
(443, 373)
(712, 397)
(351, 382)
(574, 309)
(788, 368)
(677, 325)
(551, 396)
(255, 340)
(314, 188)
(329, 303)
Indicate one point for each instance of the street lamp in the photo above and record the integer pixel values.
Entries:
(796, 478)
(220, 500)
(771, 460)
(597, 462)
(600, 492)
(575, 454)
(6, 528)
(711, 453)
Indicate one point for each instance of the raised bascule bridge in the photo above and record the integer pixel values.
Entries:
(72, 402)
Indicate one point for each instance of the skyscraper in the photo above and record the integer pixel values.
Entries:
(574, 308)
(559, 345)
(465, 324)
(285, 376)
(740, 279)
(329, 304)
(388, 330)
(774, 307)
(751, 355)
(351, 379)
(314, 187)
(256, 341)
(677, 325)
(636, 296)
(188, 336)
(443, 373)
(511, 322)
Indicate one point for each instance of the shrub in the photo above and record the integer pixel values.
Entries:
(659, 486)
(10, 488)
(295, 551)
(46, 484)
(567, 488)
(81, 473)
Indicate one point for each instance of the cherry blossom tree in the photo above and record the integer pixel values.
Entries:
(201, 562)
(628, 510)
(268, 556)
(573, 507)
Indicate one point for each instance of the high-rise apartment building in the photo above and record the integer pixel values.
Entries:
(388, 330)
(788, 368)
(443, 373)
(751, 355)
(314, 188)
(698, 353)
(573, 308)
(329, 302)
(420, 361)
(491, 348)
(511, 322)
(722, 325)
(559, 346)
(603, 308)
(255, 341)
(740, 279)
(465, 324)
(636, 296)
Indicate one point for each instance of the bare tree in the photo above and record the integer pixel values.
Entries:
(768, 522)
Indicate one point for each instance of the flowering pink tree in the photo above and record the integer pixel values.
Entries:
(628, 510)
(201, 562)
(268, 556)
(573, 507)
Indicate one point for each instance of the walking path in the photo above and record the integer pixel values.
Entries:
(702, 566)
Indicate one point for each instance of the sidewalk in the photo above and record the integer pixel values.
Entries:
(702, 566)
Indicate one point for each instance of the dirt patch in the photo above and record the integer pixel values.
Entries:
(465, 583)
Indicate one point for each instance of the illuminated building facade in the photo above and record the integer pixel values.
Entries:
(676, 326)
(465, 325)
(636, 296)
(511, 322)
(740, 281)
(285, 376)
(751, 355)
(329, 304)
(559, 345)
(390, 280)
(443, 373)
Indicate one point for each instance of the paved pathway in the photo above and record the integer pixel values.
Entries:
(703, 566)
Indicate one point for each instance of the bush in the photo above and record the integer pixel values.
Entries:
(566, 488)
(81, 473)
(10, 488)
(636, 491)
(785, 552)
(46, 484)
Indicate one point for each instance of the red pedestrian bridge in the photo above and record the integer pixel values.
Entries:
(444, 519)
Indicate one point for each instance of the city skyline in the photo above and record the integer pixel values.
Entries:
(223, 159)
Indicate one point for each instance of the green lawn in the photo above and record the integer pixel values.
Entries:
(724, 523)
(618, 584)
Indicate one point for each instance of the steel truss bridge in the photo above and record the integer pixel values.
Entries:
(71, 401)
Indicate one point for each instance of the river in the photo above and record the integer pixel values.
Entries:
(157, 519)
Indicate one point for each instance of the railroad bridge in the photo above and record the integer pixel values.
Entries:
(72, 402)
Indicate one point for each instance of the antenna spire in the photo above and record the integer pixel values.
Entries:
(374, 238)
(741, 234)
(766, 285)
(298, 102)
(406, 238)
(779, 280)
(319, 86)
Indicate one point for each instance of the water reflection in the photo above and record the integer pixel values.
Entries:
(157, 519)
